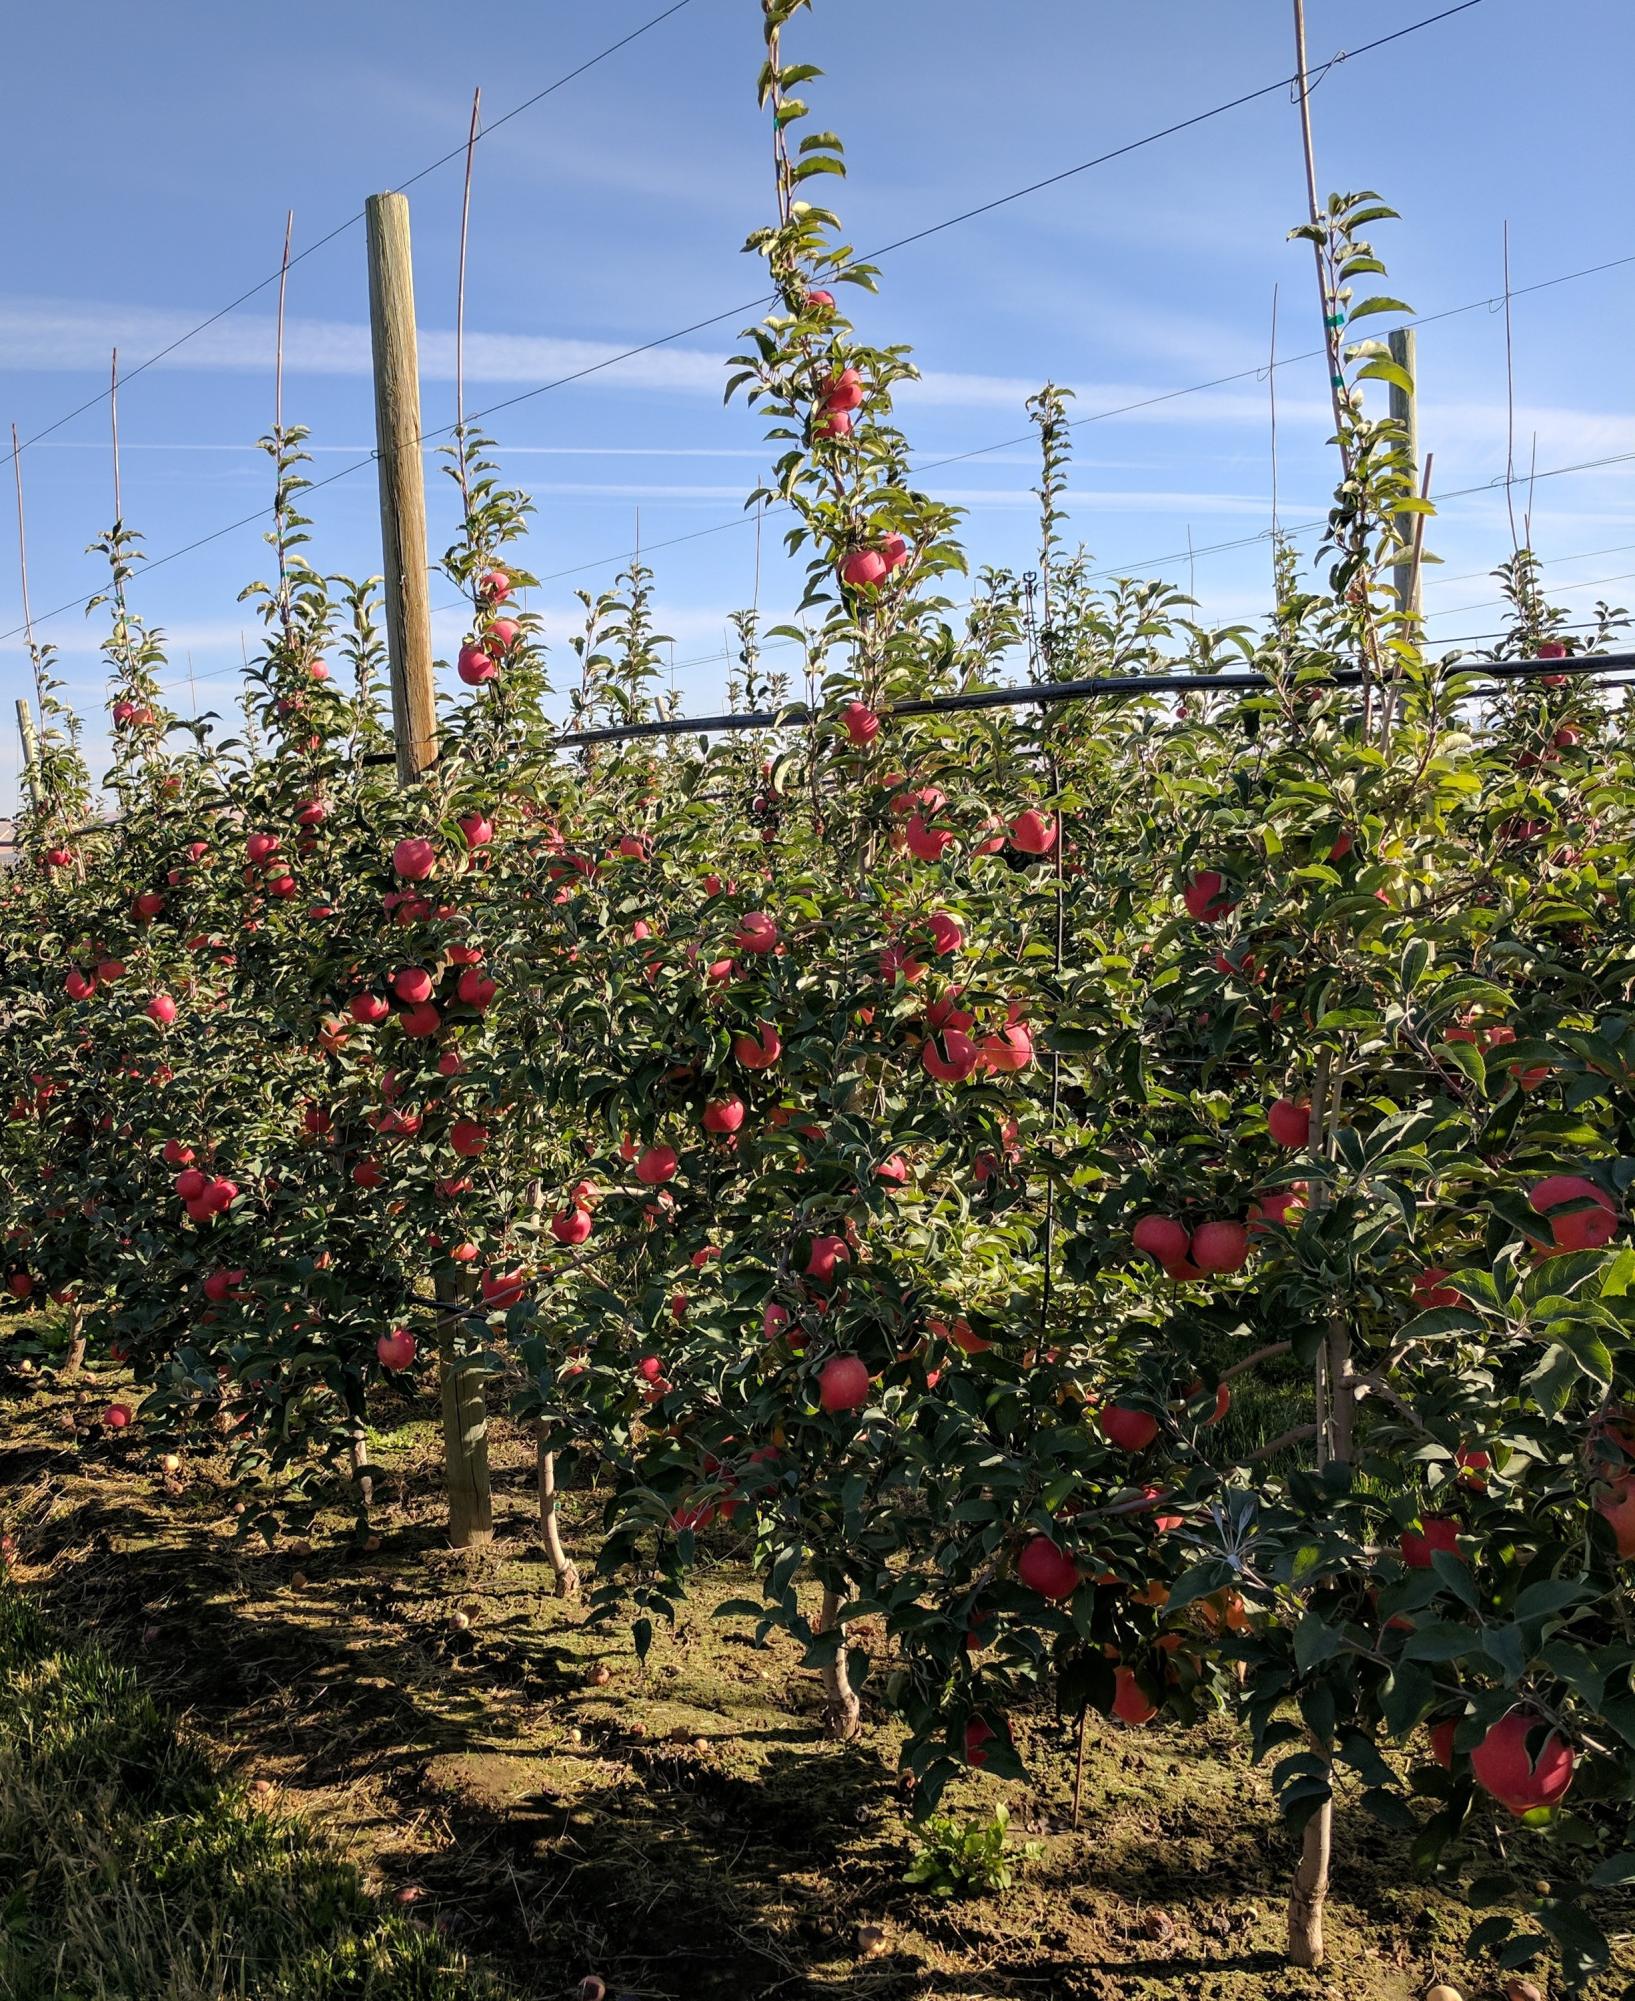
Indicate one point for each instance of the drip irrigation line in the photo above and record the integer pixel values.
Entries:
(351, 222)
(1044, 694)
(1047, 694)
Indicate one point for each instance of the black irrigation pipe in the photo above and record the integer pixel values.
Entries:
(1046, 694)
(1043, 694)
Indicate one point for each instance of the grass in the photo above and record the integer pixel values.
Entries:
(130, 1868)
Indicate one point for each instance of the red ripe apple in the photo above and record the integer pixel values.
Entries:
(367, 1174)
(117, 1416)
(420, 1022)
(832, 424)
(893, 1172)
(468, 1137)
(820, 302)
(978, 1733)
(863, 568)
(946, 932)
(1131, 1703)
(724, 1115)
(150, 904)
(843, 391)
(1523, 1762)
(1435, 1532)
(190, 1184)
(395, 1350)
(502, 1289)
(503, 633)
(1163, 1238)
(657, 1164)
(477, 828)
(1220, 1247)
(220, 1285)
(1129, 1429)
(949, 1056)
(317, 671)
(369, 1008)
(862, 724)
(413, 984)
(1579, 1228)
(259, 847)
(476, 989)
(495, 585)
(757, 933)
(19, 1283)
(843, 1383)
(1429, 1291)
(281, 885)
(572, 1225)
(1204, 898)
(1441, 1736)
(827, 1254)
(414, 859)
(758, 1052)
(1615, 1504)
(1046, 1568)
(1008, 1050)
(312, 813)
(1033, 833)
(109, 970)
(161, 1009)
(177, 1155)
(1289, 1123)
(923, 841)
(474, 666)
(1474, 1465)
(79, 986)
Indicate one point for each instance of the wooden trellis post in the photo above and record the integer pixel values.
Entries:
(414, 717)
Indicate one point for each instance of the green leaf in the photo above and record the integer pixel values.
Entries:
(1378, 304)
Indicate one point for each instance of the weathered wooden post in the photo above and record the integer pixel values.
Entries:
(402, 482)
(414, 718)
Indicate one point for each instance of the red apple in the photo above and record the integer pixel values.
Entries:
(757, 934)
(571, 1225)
(1205, 899)
(1046, 1568)
(1129, 1429)
(161, 1009)
(1289, 1123)
(1579, 1228)
(724, 1115)
(843, 1383)
(1435, 1532)
(1523, 1762)
(468, 1137)
(1163, 1238)
(474, 666)
(1033, 833)
(1220, 1247)
(1131, 1703)
(395, 1350)
(862, 724)
(862, 568)
(414, 859)
(657, 1165)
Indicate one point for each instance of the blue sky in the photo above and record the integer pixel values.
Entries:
(167, 147)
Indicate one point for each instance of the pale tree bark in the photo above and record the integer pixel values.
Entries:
(1310, 1889)
(74, 1354)
(562, 1565)
(842, 1712)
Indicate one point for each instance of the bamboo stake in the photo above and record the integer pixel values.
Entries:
(1405, 410)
